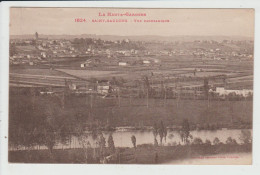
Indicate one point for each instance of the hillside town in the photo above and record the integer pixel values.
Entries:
(88, 54)
(39, 50)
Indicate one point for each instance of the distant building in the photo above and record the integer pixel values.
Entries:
(146, 62)
(84, 64)
(103, 89)
(122, 64)
(72, 86)
(36, 36)
(223, 91)
(156, 60)
(43, 54)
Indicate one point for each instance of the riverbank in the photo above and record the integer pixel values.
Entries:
(219, 159)
(143, 154)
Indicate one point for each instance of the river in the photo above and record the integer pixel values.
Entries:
(123, 138)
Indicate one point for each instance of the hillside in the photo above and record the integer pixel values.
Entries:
(136, 38)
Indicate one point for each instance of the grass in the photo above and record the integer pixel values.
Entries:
(134, 112)
(169, 153)
(168, 68)
(143, 154)
(37, 71)
(99, 74)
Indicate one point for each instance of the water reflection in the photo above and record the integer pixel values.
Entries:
(123, 138)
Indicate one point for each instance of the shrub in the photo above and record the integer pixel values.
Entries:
(111, 144)
(245, 136)
(216, 141)
(234, 141)
(231, 141)
(174, 143)
(171, 136)
(197, 141)
(208, 142)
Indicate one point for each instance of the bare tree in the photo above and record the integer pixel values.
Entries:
(185, 131)
(133, 139)
(111, 144)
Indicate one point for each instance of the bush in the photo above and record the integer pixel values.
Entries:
(171, 136)
(155, 142)
(208, 142)
(197, 141)
(231, 141)
(234, 141)
(245, 136)
(216, 141)
(174, 143)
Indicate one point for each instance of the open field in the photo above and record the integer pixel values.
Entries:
(26, 49)
(88, 74)
(39, 77)
(239, 73)
(36, 71)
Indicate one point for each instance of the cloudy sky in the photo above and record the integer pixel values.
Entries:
(203, 22)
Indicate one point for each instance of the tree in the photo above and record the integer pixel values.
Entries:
(231, 141)
(165, 134)
(161, 131)
(245, 136)
(155, 142)
(185, 132)
(50, 126)
(102, 141)
(208, 142)
(82, 138)
(102, 144)
(133, 141)
(155, 130)
(50, 139)
(197, 141)
(94, 134)
(12, 50)
(111, 144)
(113, 81)
(216, 141)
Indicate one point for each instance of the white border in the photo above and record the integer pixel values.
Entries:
(25, 169)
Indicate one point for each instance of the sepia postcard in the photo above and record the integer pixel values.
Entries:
(157, 86)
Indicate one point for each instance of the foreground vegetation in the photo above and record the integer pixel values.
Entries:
(142, 154)
(132, 112)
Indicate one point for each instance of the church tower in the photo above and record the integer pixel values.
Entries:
(36, 36)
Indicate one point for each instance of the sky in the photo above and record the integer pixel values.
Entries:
(195, 22)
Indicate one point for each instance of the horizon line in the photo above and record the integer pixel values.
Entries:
(136, 35)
